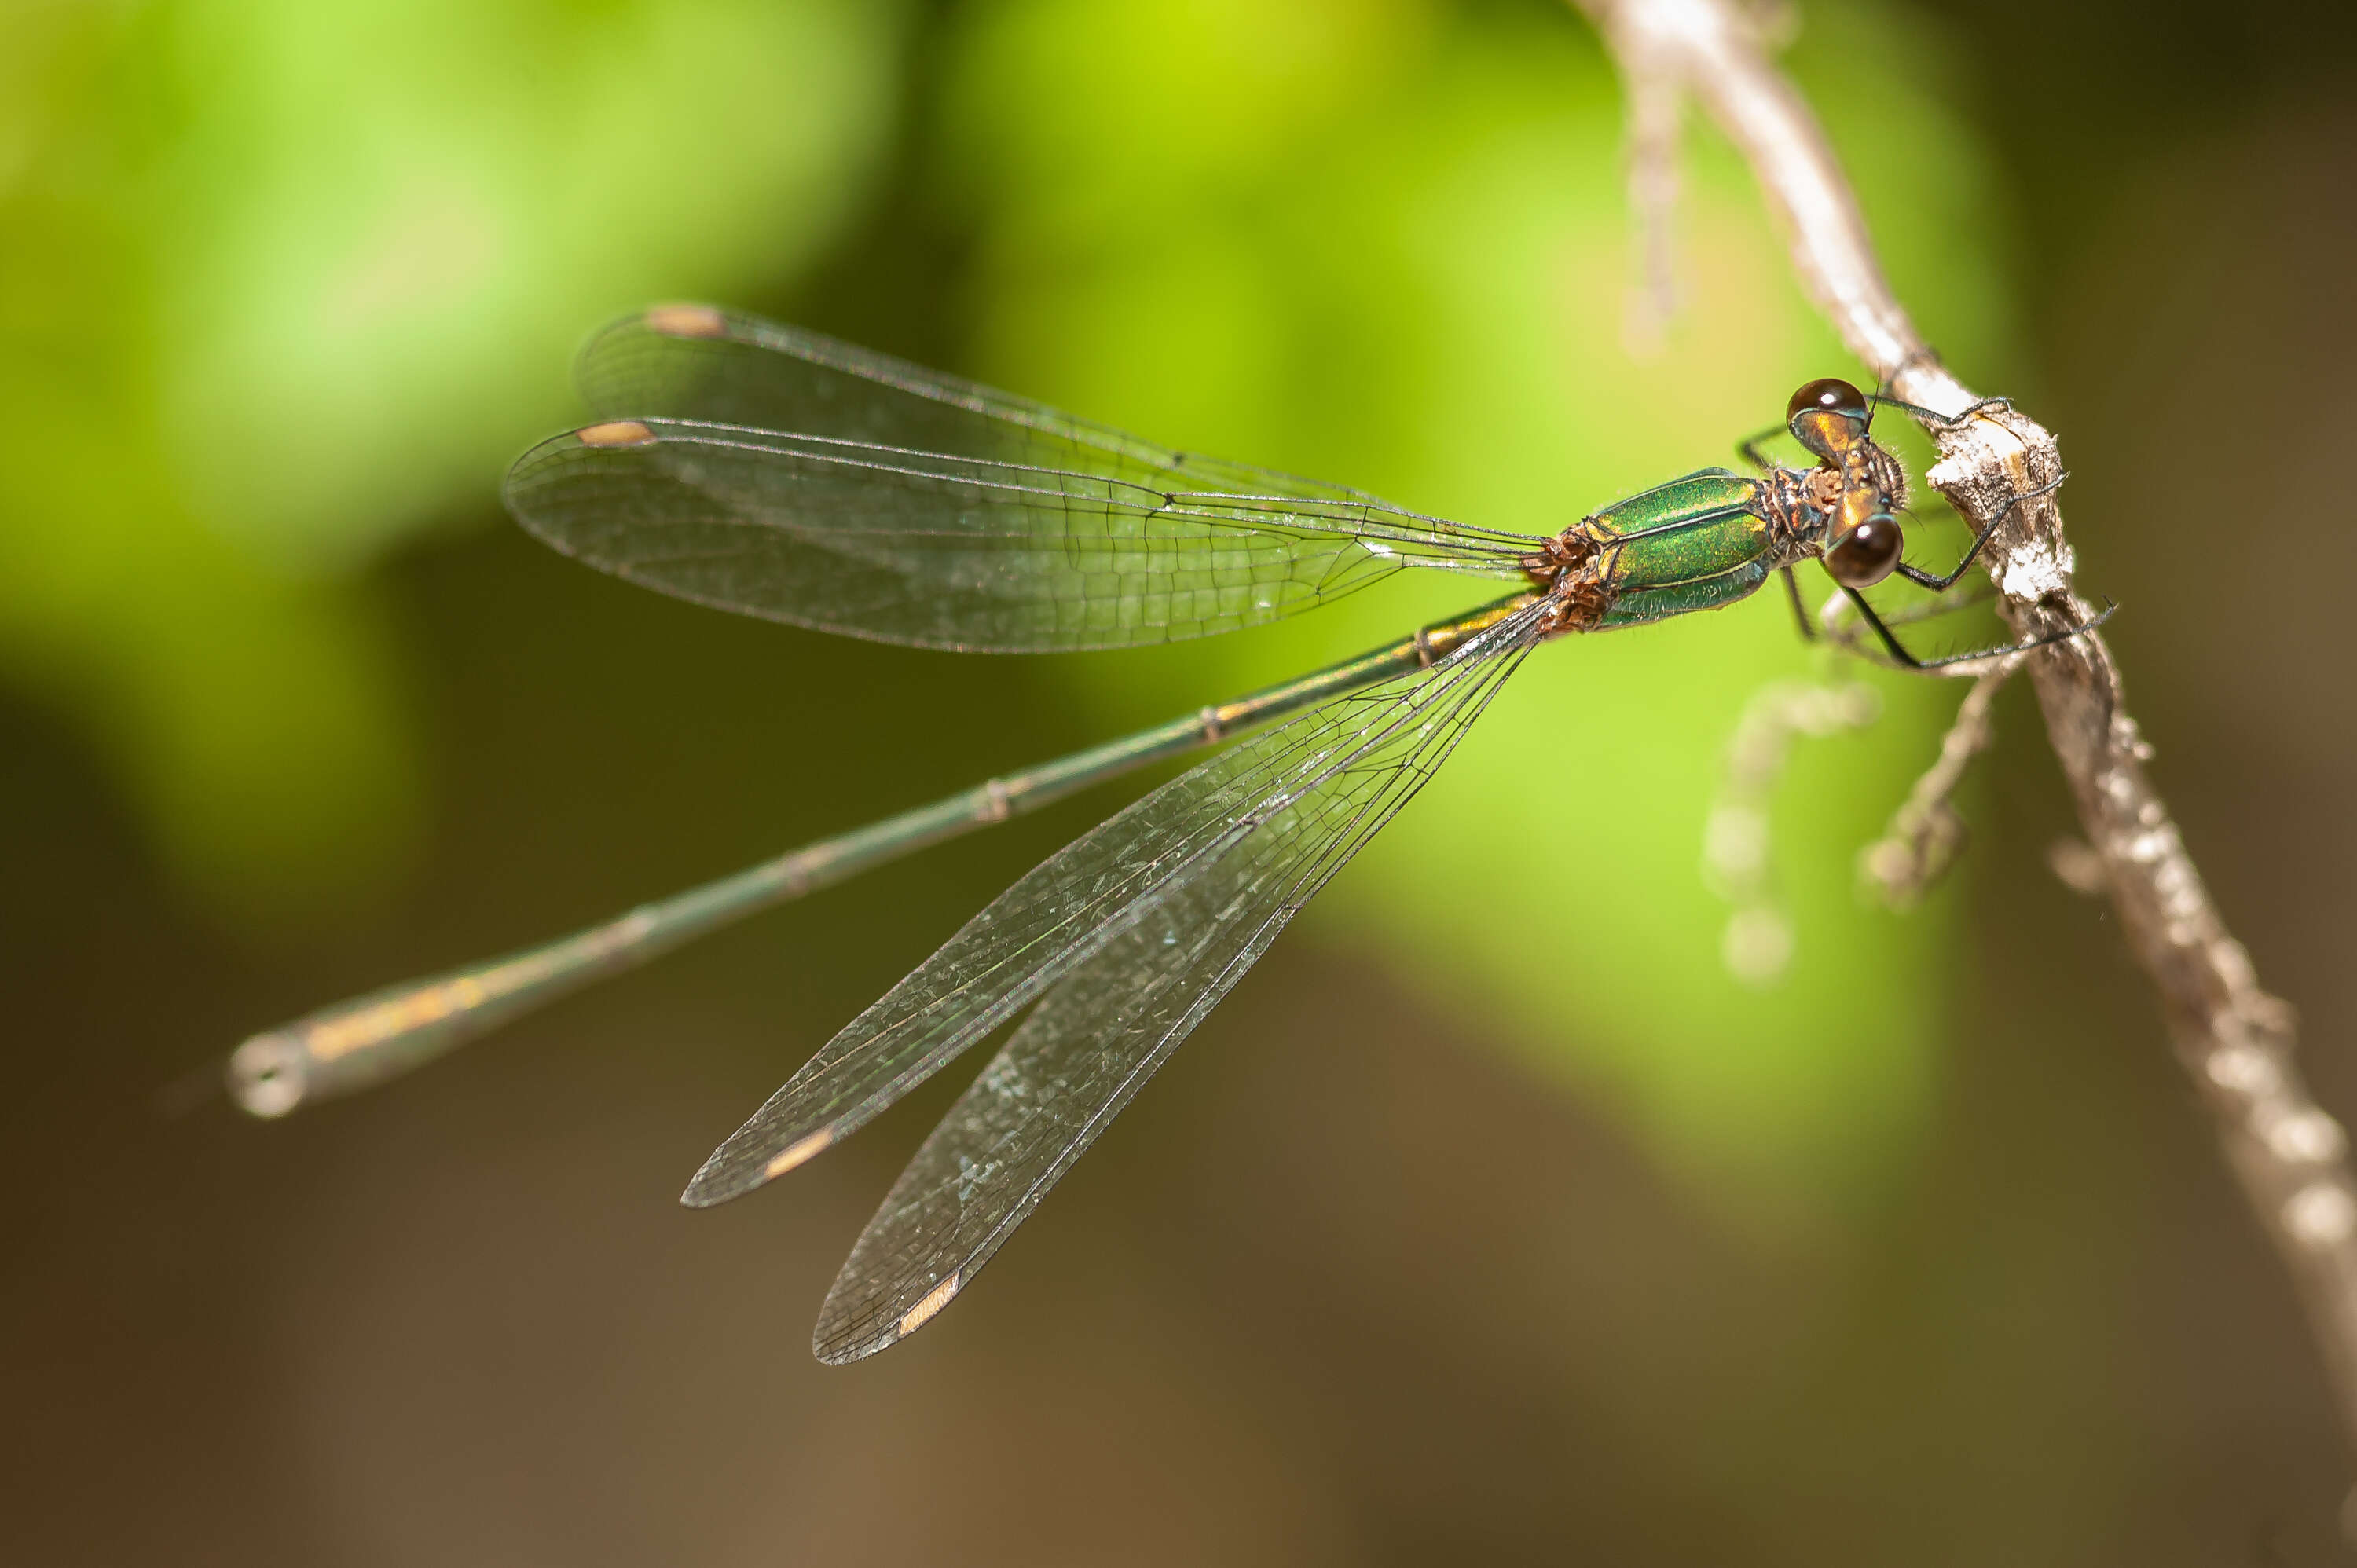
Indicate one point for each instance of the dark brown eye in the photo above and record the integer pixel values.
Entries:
(1828, 396)
(1828, 417)
(1865, 555)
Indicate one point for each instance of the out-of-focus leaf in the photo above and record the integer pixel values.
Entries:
(1394, 253)
(286, 280)
(404, 213)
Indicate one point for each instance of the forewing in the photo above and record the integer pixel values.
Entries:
(1070, 908)
(702, 364)
(935, 549)
(782, 474)
(1101, 1033)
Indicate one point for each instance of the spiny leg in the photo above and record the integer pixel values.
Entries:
(1940, 584)
(1943, 420)
(1921, 353)
(1800, 611)
(1748, 448)
(1898, 650)
(1963, 597)
(1945, 604)
(1925, 355)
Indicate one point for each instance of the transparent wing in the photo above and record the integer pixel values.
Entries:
(709, 366)
(1091, 1046)
(1080, 900)
(782, 474)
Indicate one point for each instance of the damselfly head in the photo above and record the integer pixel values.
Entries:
(1828, 417)
(1861, 556)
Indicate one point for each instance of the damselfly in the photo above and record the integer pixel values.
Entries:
(774, 472)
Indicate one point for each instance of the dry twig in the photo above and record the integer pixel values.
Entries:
(2234, 1039)
(1927, 833)
(1757, 946)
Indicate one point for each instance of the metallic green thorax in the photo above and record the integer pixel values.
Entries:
(1694, 543)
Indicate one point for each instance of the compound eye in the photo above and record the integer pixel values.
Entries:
(1866, 554)
(1830, 395)
(1828, 417)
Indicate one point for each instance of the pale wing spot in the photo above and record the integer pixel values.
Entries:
(614, 433)
(796, 1152)
(937, 1297)
(687, 321)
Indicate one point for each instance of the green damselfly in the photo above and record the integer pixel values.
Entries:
(777, 473)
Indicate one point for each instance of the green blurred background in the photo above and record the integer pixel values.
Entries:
(1492, 1220)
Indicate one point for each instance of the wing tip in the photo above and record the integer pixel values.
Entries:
(723, 1176)
(715, 1182)
(832, 1355)
(835, 1348)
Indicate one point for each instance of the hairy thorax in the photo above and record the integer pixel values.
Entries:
(1798, 503)
(1569, 568)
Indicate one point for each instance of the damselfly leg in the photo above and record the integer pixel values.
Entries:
(1940, 584)
(1800, 609)
(1905, 660)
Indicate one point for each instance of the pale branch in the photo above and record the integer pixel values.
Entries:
(2289, 1157)
(1927, 832)
(1757, 941)
(1655, 108)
